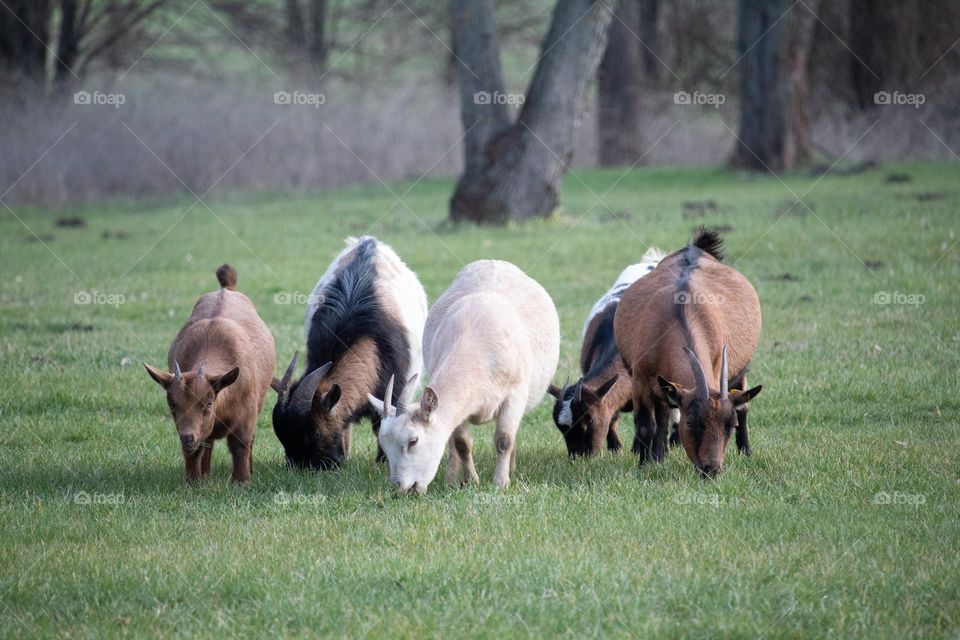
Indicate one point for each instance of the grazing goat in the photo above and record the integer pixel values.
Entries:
(491, 344)
(364, 323)
(587, 412)
(680, 331)
(221, 365)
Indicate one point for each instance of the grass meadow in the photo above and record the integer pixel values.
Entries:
(843, 523)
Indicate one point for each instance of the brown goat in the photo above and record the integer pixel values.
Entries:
(221, 365)
(680, 330)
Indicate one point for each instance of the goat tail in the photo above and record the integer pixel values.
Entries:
(227, 276)
(710, 241)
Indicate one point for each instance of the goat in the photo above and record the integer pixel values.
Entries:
(221, 365)
(364, 323)
(491, 344)
(587, 413)
(680, 331)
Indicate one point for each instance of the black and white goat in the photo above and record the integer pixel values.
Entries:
(364, 324)
(588, 411)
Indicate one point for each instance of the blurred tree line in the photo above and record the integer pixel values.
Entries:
(774, 58)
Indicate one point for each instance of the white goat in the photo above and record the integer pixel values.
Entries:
(491, 345)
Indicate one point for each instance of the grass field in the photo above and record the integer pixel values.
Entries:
(843, 523)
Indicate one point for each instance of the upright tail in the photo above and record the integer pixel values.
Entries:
(227, 276)
(710, 241)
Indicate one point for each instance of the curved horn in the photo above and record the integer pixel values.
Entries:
(703, 391)
(724, 383)
(176, 371)
(303, 397)
(288, 375)
(388, 409)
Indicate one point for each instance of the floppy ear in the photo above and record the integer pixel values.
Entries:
(673, 392)
(740, 398)
(604, 389)
(429, 402)
(221, 382)
(162, 378)
(555, 391)
(328, 401)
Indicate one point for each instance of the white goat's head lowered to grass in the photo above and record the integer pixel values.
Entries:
(414, 446)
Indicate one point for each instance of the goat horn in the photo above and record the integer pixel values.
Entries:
(703, 391)
(288, 375)
(411, 382)
(303, 397)
(176, 371)
(388, 409)
(724, 383)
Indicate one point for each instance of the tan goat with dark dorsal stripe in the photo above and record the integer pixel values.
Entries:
(686, 333)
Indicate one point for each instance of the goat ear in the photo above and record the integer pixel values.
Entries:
(224, 380)
(376, 403)
(555, 391)
(429, 402)
(672, 391)
(328, 401)
(740, 398)
(604, 389)
(162, 378)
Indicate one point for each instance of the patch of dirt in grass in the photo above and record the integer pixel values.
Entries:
(72, 221)
(782, 277)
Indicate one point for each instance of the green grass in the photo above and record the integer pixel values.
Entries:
(859, 399)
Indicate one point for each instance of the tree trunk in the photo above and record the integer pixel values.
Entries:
(773, 85)
(478, 65)
(296, 35)
(68, 43)
(318, 37)
(524, 164)
(648, 34)
(886, 37)
(618, 90)
(24, 37)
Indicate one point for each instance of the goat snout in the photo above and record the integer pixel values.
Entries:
(710, 470)
(187, 441)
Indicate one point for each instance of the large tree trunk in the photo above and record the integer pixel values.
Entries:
(773, 85)
(648, 34)
(618, 90)
(886, 38)
(24, 37)
(522, 165)
(478, 64)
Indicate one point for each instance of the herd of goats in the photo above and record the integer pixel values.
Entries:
(670, 342)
